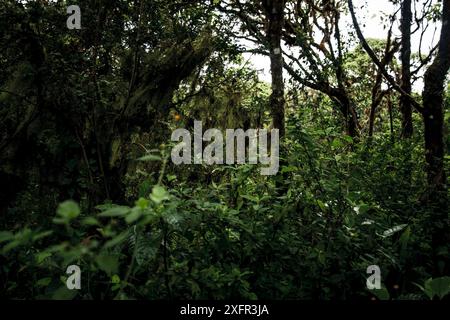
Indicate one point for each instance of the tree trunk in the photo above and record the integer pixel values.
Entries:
(350, 116)
(433, 117)
(405, 104)
(347, 109)
(391, 117)
(274, 11)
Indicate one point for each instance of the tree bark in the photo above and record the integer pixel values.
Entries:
(274, 12)
(348, 110)
(405, 104)
(433, 98)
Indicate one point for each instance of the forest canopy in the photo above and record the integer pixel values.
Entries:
(356, 127)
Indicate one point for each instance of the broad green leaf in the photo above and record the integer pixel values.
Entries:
(348, 139)
(5, 236)
(41, 235)
(44, 282)
(134, 215)
(438, 286)
(41, 256)
(142, 203)
(105, 206)
(381, 294)
(250, 197)
(159, 194)
(90, 221)
(12, 245)
(116, 211)
(68, 210)
(171, 177)
(64, 294)
(108, 263)
(337, 143)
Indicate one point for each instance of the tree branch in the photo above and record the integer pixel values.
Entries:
(377, 62)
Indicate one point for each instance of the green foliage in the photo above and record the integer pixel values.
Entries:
(439, 287)
(87, 115)
(237, 237)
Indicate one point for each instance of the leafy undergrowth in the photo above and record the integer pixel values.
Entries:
(309, 232)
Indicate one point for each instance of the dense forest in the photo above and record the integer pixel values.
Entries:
(92, 91)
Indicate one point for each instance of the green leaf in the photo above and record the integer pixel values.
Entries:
(44, 282)
(105, 206)
(381, 294)
(10, 246)
(348, 139)
(135, 214)
(5, 236)
(337, 143)
(249, 197)
(322, 206)
(142, 203)
(41, 235)
(115, 279)
(90, 221)
(41, 256)
(172, 177)
(438, 286)
(68, 210)
(64, 294)
(159, 194)
(116, 211)
(108, 263)
(150, 157)
(288, 169)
